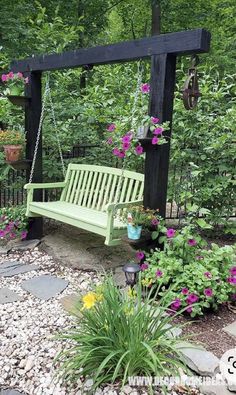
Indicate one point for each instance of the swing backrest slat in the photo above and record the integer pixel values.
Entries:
(96, 186)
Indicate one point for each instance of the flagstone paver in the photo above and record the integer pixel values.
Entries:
(69, 303)
(8, 296)
(200, 360)
(10, 392)
(230, 329)
(26, 245)
(45, 286)
(12, 268)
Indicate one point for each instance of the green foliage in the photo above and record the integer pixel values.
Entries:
(8, 137)
(13, 223)
(118, 335)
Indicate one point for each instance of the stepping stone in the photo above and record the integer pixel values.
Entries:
(4, 250)
(45, 286)
(8, 296)
(12, 268)
(26, 245)
(230, 329)
(69, 303)
(221, 389)
(10, 392)
(199, 360)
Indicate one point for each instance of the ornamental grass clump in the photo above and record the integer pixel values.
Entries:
(119, 334)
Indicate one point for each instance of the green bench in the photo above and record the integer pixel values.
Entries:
(90, 198)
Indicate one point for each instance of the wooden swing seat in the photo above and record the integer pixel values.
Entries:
(90, 199)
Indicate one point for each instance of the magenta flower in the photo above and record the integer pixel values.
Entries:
(208, 274)
(126, 138)
(192, 298)
(170, 233)
(24, 234)
(2, 233)
(121, 154)
(155, 120)
(189, 310)
(233, 271)
(139, 150)
(4, 77)
(155, 222)
(184, 291)
(155, 140)
(126, 146)
(116, 151)
(111, 127)
(144, 266)
(175, 305)
(109, 141)
(231, 280)
(20, 75)
(9, 227)
(157, 131)
(208, 292)
(12, 235)
(145, 88)
(159, 273)
(140, 255)
(192, 242)
(11, 75)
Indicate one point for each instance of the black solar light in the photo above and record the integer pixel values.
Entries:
(131, 271)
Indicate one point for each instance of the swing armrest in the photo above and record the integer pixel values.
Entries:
(117, 206)
(47, 185)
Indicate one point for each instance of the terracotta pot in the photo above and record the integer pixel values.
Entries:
(13, 152)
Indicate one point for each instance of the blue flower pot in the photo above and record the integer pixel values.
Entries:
(134, 232)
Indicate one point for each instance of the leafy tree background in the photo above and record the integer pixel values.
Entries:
(203, 143)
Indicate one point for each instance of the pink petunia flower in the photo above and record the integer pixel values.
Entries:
(109, 141)
(126, 138)
(111, 127)
(116, 151)
(140, 255)
(175, 305)
(139, 150)
(192, 242)
(155, 140)
(20, 75)
(12, 235)
(2, 233)
(155, 222)
(189, 310)
(159, 273)
(145, 88)
(4, 77)
(158, 131)
(192, 298)
(208, 274)
(126, 146)
(208, 292)
(11, 75)
(170, 233)
(184, 291)
(154, 120)
(231, 280)
(121, 154)
(24, 234)
(233, 271)
(144, 266)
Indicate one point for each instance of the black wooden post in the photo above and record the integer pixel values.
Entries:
(32, 116)
(161, 106)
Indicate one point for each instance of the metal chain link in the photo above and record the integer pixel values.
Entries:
(39, 131)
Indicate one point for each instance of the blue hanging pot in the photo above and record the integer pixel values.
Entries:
(134, 232)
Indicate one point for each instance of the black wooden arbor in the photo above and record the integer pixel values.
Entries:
(163, 50)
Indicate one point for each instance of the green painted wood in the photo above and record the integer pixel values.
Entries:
(91, 198)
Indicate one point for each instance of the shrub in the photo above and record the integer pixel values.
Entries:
(13, 223)
(119, 335)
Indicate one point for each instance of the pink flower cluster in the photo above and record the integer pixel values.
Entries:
(125, 143)
(11, 230)
(232, 279)
(11, 76)
(191, 298)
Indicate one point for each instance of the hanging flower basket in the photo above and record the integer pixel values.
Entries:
(13, 153)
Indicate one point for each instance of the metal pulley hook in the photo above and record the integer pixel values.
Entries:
(190, 89)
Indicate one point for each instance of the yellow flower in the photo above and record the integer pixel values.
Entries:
(89, 300)
(132, 293)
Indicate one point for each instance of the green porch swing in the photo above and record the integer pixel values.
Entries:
(90, 195)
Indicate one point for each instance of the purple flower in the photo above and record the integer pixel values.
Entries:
(189, 310)
(139, 150)
(4, 77)
(12, 235)
(109, 141)
(144, 266)
(24, 234)
(125, 146)
(208, 292)
(2, 233)
(233, 271)
(159, 273)
(116, 151)
(208, 274)
(155, 140)
(192, 298)
(145, 88)
(231, 280)
(184, 291)
(192, 242)
(154, 120)
(11, 75)
(126, 138)
(121, 154)
(157, 131)
(175, 305)
(111, 127)
(20, 75)
(170, 233)
(140, 255)
(155, 222)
